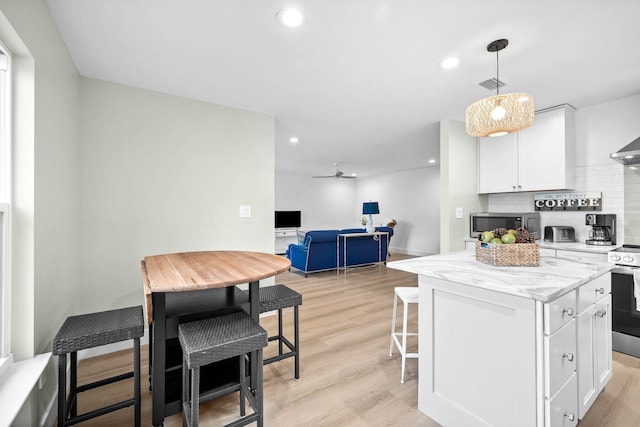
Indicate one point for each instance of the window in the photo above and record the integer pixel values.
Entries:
(5, 204)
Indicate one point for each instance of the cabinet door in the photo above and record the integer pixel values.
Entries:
(497, 162)
(594, 352)
(542, 154)
(602, 333)
(586, 373)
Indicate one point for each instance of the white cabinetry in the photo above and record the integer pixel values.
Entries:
(511, 360)
(594, 340)
(285, 237)
(538, 158)
(560, 378)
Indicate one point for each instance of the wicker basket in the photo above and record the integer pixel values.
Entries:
(505, 255)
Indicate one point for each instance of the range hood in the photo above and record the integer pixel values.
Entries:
(629, 154)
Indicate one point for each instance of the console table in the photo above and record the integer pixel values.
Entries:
(285, 237)
(346, 236)
(182, 287)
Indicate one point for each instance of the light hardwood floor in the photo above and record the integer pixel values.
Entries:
(347, 377)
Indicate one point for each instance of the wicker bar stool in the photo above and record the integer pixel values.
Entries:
(214, 339)
(88, 331)
(279, 297)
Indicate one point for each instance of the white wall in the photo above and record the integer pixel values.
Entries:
(325, 203)
(459, 184)
(604, 128)
(411, 198)
(163, 174)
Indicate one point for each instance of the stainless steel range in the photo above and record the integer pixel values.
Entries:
(626, 316)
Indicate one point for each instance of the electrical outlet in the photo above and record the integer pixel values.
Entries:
(458, 212)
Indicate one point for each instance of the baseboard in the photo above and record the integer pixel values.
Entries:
(408, 252)
(51, 414)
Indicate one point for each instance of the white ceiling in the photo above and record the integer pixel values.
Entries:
(359, 83)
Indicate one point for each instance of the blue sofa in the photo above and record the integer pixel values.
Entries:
(318, 250)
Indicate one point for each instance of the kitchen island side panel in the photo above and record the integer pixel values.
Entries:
(478, 356)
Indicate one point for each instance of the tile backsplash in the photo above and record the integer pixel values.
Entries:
(605, 179)
(632, 205)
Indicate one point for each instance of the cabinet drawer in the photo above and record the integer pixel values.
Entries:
(562, 409)
(559, 358)
(559, 312)
(593, 291)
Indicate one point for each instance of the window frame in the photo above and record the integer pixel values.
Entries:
(5, 206)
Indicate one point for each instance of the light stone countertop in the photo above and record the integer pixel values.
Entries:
(568, 246)
(577, 246)
(552, 278)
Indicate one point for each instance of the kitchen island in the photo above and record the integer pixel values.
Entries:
(506, 346)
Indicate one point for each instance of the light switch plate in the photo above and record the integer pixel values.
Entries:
(458, 212)
(245, 211)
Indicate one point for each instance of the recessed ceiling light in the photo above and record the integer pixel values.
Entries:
(293, 140)
(353, 174)
(449, 63)
(432, 160)
(290, 17)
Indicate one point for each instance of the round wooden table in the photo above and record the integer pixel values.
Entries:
(183, 284)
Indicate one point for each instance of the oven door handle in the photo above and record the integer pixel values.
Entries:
(623, 269)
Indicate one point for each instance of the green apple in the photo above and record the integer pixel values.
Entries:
(511, 231)
(487, 236)
(496, 240)
(508, 238)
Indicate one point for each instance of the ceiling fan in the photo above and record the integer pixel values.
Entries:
(337, 174)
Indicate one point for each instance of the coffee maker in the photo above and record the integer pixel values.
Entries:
(603, 229)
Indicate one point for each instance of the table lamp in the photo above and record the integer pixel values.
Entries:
(370, 208)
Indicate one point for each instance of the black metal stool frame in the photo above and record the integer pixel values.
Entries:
(68, 407)
(279, 297)
(201, 346)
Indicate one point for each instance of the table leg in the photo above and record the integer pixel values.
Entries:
(158, 357)
(254, 311)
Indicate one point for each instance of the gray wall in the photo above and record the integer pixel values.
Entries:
(164, 174)
(411, 197)
(142, 174)
(45, 187)
(325, 203)
(459, 184)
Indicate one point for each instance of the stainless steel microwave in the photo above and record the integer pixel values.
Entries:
(486, 221)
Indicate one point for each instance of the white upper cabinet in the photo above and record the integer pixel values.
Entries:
(538, 158)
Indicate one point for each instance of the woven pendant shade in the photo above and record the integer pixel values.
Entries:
(484, 120)
(500, 114)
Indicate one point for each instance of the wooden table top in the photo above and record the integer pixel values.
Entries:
(191, 271)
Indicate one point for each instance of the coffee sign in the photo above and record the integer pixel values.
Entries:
(568, 202)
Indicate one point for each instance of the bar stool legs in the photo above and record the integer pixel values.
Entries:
(219, 338)
(408, 296)
(88, 331)
(279, 297)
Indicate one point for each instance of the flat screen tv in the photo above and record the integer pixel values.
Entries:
(288, 219)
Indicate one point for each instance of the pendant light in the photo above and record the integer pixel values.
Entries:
(500, 114)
